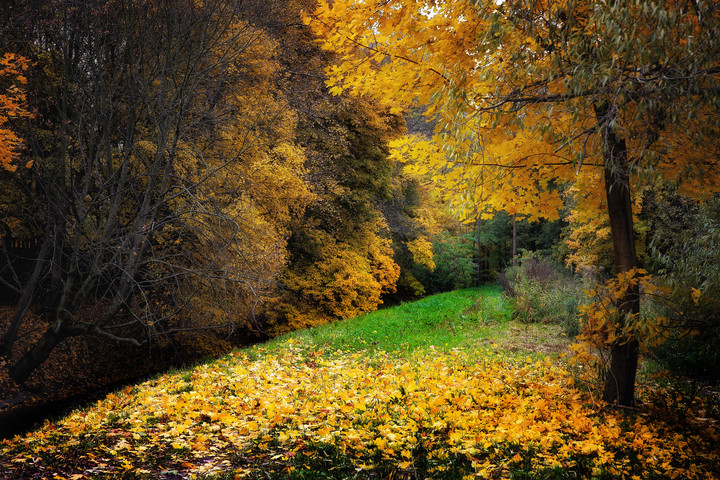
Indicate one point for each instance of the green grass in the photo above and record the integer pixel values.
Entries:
(470, 317)
(444, 321)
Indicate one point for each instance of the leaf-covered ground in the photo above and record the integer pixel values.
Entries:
(301, 409)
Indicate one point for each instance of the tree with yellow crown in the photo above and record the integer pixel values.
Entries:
(609, 96)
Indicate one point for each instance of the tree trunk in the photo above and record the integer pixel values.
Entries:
(620, 382)
(26, 298)
(514, 240)
(37, 354)
(483, 254)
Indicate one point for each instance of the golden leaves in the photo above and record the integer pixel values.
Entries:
(605, 322)
(347, 279)
(696, 294)
(421, 250)
(513, 93)
(370, 407)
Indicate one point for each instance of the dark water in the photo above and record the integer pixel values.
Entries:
(23, 419)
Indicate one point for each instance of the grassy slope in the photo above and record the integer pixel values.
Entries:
(459, 319)
(447, 387)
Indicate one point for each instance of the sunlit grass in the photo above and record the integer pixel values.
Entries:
(444, 321)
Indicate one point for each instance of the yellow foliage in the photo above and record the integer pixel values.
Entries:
(601, 326)
(589, 242)
(252, 178)
(421, 250)
(347, 280)
(372, 408)
(508, 176)
(513, 91)
(696, 294)
(413, 153)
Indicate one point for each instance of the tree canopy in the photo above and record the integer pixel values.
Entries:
(529, 96)
(190, 174)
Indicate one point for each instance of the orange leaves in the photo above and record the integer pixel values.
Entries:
(12, 102)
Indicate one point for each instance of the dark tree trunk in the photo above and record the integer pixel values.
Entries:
(514, 240)
(620, 382)
(478, 232)
(26, 298)
(37, 354)
(483, 263)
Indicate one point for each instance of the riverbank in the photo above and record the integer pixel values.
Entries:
(84, 369)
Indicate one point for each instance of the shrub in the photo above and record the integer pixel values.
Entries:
(545, 292)
(684, 245)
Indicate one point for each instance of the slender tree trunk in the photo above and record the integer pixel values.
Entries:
(514, 240)
(620, 383)
(478, 226)
(26, 298)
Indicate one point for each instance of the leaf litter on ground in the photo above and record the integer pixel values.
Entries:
(296, 409)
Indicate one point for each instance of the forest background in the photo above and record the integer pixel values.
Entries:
(182, 177)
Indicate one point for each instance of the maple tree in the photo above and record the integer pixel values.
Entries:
(419, 219)
(12, 106)
(532, 94)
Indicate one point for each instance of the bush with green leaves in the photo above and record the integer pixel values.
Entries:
(455, 267)
(684, 246)
(544, 291)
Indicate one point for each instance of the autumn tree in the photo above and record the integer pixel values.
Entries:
(341, 257)
(12, 106)
(341, 254)
(165, 169)
(608, 96)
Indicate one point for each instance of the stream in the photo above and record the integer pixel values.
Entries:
(25, 418)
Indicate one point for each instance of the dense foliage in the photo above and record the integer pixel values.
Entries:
(190, 180)
(537, 100)
(683, 243)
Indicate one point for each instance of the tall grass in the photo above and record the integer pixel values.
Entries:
(543, 291)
